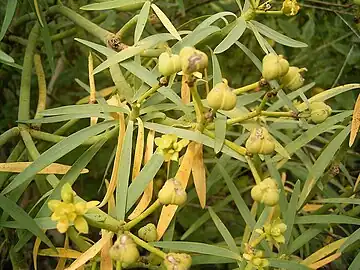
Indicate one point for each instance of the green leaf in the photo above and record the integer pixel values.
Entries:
(217, 76)
(97, 47)
(321, 164)
(285, 264)
(123, 173)
(198, 248)
(290, 214)
(232, 37)
(143, 179)
(355, 263)
(171, 95)
(355, 236)
(276, 36)
(38, 13)
(250, 54)
(220, 131)
(141, 72)
(83, 109)
(6, 58)
(20, 216)
(57, 151)
(121, 5)
(210, 259)
(258, 37)
(224, 231)
(327, 219)
(239, 201)
(65, 117)
(143, 17)
(165, 21)
(303, 239)
(9, 14)
(214, 18)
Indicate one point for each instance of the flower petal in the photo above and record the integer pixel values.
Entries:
(81, 225)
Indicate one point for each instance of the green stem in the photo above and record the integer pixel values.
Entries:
(84, 23)
(78, 240)
(126, 27)
(199, 107)
(146, 246)
(270, 12)
(237, 148)
(246, 88)
(279, 114)
(143, 215)
(148, 93)
(257, 240)
(242, 118)
(253, 170)
(103, 224)
(7, 135)
(25, 85)
(118, 265)
(32, 16)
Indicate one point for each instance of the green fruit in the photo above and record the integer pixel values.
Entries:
(177, 261)
(260, 142)
(293, 79)
(124, 250)
(266, 192)
(192, 60)
(148, 233)
(169, 64)
(319, 111)
(221, 97)
(274, 66)
(172, 193)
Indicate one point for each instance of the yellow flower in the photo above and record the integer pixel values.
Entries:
(256, 260)
(275, 232)
(169, 146)
(290, 7)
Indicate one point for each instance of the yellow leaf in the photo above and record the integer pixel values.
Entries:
(105, 262)
(139, 149)
(54, 168)
(182, 175)
(185, 90)
(62, 253)
(92, 99)
(146, 197)
(199, 174)
(311, 207)
(103, 93)
(36, 251)
(323, 252)
(62, 261)
(355, 123)
(91, 252)
(357, 182)
(325, 261)
(113, 181)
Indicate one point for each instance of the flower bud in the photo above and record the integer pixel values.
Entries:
(221, 97)
(124, 250)
(290, 7)
(148, 233)
(67, 193)
(274, 66)
(192, 60)
(177, 261)
(293, 79)
(169, 64)
(172, 193)
(319, 111)
(266, 192)
(260, 142)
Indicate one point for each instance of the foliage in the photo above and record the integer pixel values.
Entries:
(200, 151)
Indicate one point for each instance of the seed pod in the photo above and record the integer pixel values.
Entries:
(221, 97)
(192, 60)
(260, 142)
(148, 233)
(67, 193)
(172, 193)
(274, 66)
(290, 7)
(266, 192)
(319, 111)
(177, 261)
(169, 64)
(293, 79)
(124, 250)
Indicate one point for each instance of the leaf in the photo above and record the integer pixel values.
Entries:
(199, 174)
(82, 109)
(55, 152)
(198, 248)
(355, 263)
(106, 261)
(220, 131)
(121, 5)
(91, 252)
(217, 76)
(355, 236)
(355, 123)
(9, 14)
(142, 180)
(325, 261)
(276, 36)
(232, 37)
(54, 168)
(62, 261)
(38, 13)
(61, 253)
(123, 172)
(285, 264)
(327, 219)
(210, 259)
(289, 216)
(36, 251)
(251, 55)
(5, 57)
(224, 231)
(165, 21)
(323, 252)
(262, 42)
(303, 239)
(20, 216)
(141, 72)
(170, 94)
(321, 164)
(139, 149)
(143, 17)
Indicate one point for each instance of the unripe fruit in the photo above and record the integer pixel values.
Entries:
(271, 197)
(274, 66)
(169, 64)
(124, 250)
(290, 7)
(319, 111)
(192, 60)
(177, 261)
(293, 79)
(67, 193)
(266, 192)
(260, 142)
(221, 97)
(172, 193)
(148, 233)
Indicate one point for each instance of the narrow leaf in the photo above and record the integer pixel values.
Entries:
(54, 168)
(121, 5)
(232, 37)
(9, 14)
(165, 21)
(220, 131)
(199, 174)
(355, 123)
(143, 17)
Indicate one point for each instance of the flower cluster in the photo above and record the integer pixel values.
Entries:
(274, 232)
(170, 147)
(66, 212)
(256, 260)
